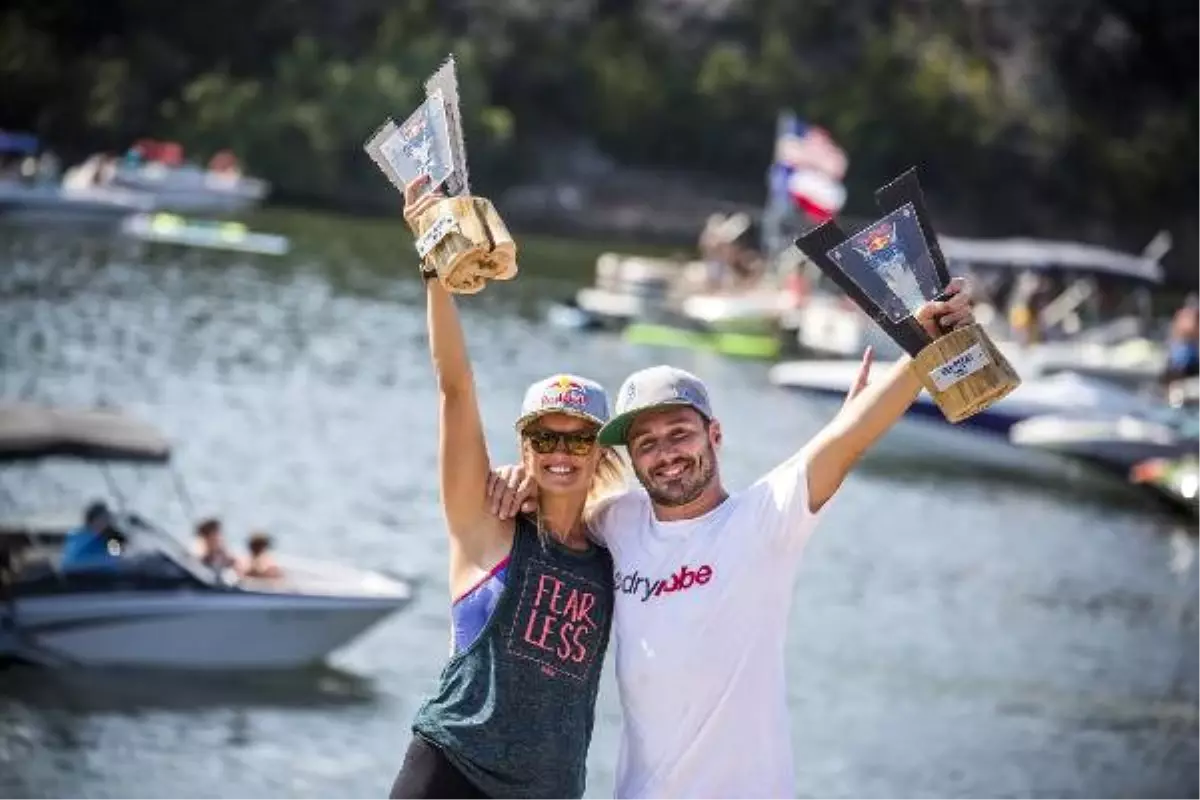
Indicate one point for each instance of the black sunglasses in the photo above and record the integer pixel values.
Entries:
(544, 442)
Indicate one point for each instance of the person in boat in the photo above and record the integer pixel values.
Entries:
(1183, 343)
(96, 544)
(704, 575)
(209, 546)
(728, 250)
(531, 596)
(261, 561)
(225, 163)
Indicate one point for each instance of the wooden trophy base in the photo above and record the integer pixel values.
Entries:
(965, 372)
(464, 240)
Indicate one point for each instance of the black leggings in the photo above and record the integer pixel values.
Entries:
(427, 772)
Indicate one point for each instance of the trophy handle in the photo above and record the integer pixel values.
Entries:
(465, 242)
(964, 372)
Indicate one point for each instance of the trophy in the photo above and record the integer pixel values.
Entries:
(890, 269)
(461, 240)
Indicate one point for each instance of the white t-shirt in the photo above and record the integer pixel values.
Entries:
(700, 623)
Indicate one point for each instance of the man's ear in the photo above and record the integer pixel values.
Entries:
(714, 433)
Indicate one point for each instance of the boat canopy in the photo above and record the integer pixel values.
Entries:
(1043, 254)
(29, 432)
(25, 143)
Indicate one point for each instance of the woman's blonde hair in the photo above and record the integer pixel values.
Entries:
(610, 477)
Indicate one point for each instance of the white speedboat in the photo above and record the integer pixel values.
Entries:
(1090, 337)
(830, 326)
(47, 203)
(189, 189)
(758, 310)
(1115, 442)
(980, 440)
(157, 606)
(627, 288)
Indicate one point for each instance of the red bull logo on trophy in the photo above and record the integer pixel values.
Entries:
(880, 246)
(564, 391)
(872, 243)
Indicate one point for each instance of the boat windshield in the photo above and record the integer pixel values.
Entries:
(150, 559)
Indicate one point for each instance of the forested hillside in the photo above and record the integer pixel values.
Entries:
(1039, 117)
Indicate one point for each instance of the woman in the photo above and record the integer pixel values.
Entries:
(531, 598)
(260, 563)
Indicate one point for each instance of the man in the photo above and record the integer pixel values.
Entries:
(209, 546)
(704, 576)
(95, 544)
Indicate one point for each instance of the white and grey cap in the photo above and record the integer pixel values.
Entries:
(650, 389)
(564, 394)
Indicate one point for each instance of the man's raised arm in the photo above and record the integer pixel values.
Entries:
(872, 408)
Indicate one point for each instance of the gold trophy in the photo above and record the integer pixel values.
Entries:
(460, 239)
(890, 269)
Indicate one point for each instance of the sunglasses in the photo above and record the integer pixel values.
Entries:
(545, 442)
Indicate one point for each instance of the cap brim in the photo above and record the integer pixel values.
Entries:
(524, 420)
(615, 432)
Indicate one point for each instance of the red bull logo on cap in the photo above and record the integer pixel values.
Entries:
(563, 391)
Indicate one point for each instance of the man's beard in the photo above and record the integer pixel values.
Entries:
(680, 491)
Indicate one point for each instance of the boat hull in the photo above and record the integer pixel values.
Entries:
(981, 441)
(1116, 444)
(194, 630)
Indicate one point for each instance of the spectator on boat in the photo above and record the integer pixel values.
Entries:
(224, 162)
(209, 546)
(747, 267)
(715, 252)
(96, 544)
(1183, 343)
(1030, 297)
(49, 168)
(261, 563)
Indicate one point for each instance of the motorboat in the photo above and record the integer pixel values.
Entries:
(982, 439)
(31, 192)
(1084, 331)
(665, 303)
(830, 326)
(627, 288)
(1115, 442)
(190, 189)
(49, 203)
(166, 228)
(157, 606)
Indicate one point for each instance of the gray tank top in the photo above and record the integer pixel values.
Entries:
(514, 711)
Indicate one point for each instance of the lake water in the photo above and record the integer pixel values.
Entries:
(951, 636)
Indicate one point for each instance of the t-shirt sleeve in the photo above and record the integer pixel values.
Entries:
(782, 495)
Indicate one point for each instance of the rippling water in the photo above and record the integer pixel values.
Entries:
(951, 635)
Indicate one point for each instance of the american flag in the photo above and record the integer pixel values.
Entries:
(808, 168)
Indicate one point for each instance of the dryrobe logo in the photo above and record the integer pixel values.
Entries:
(645, 588)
